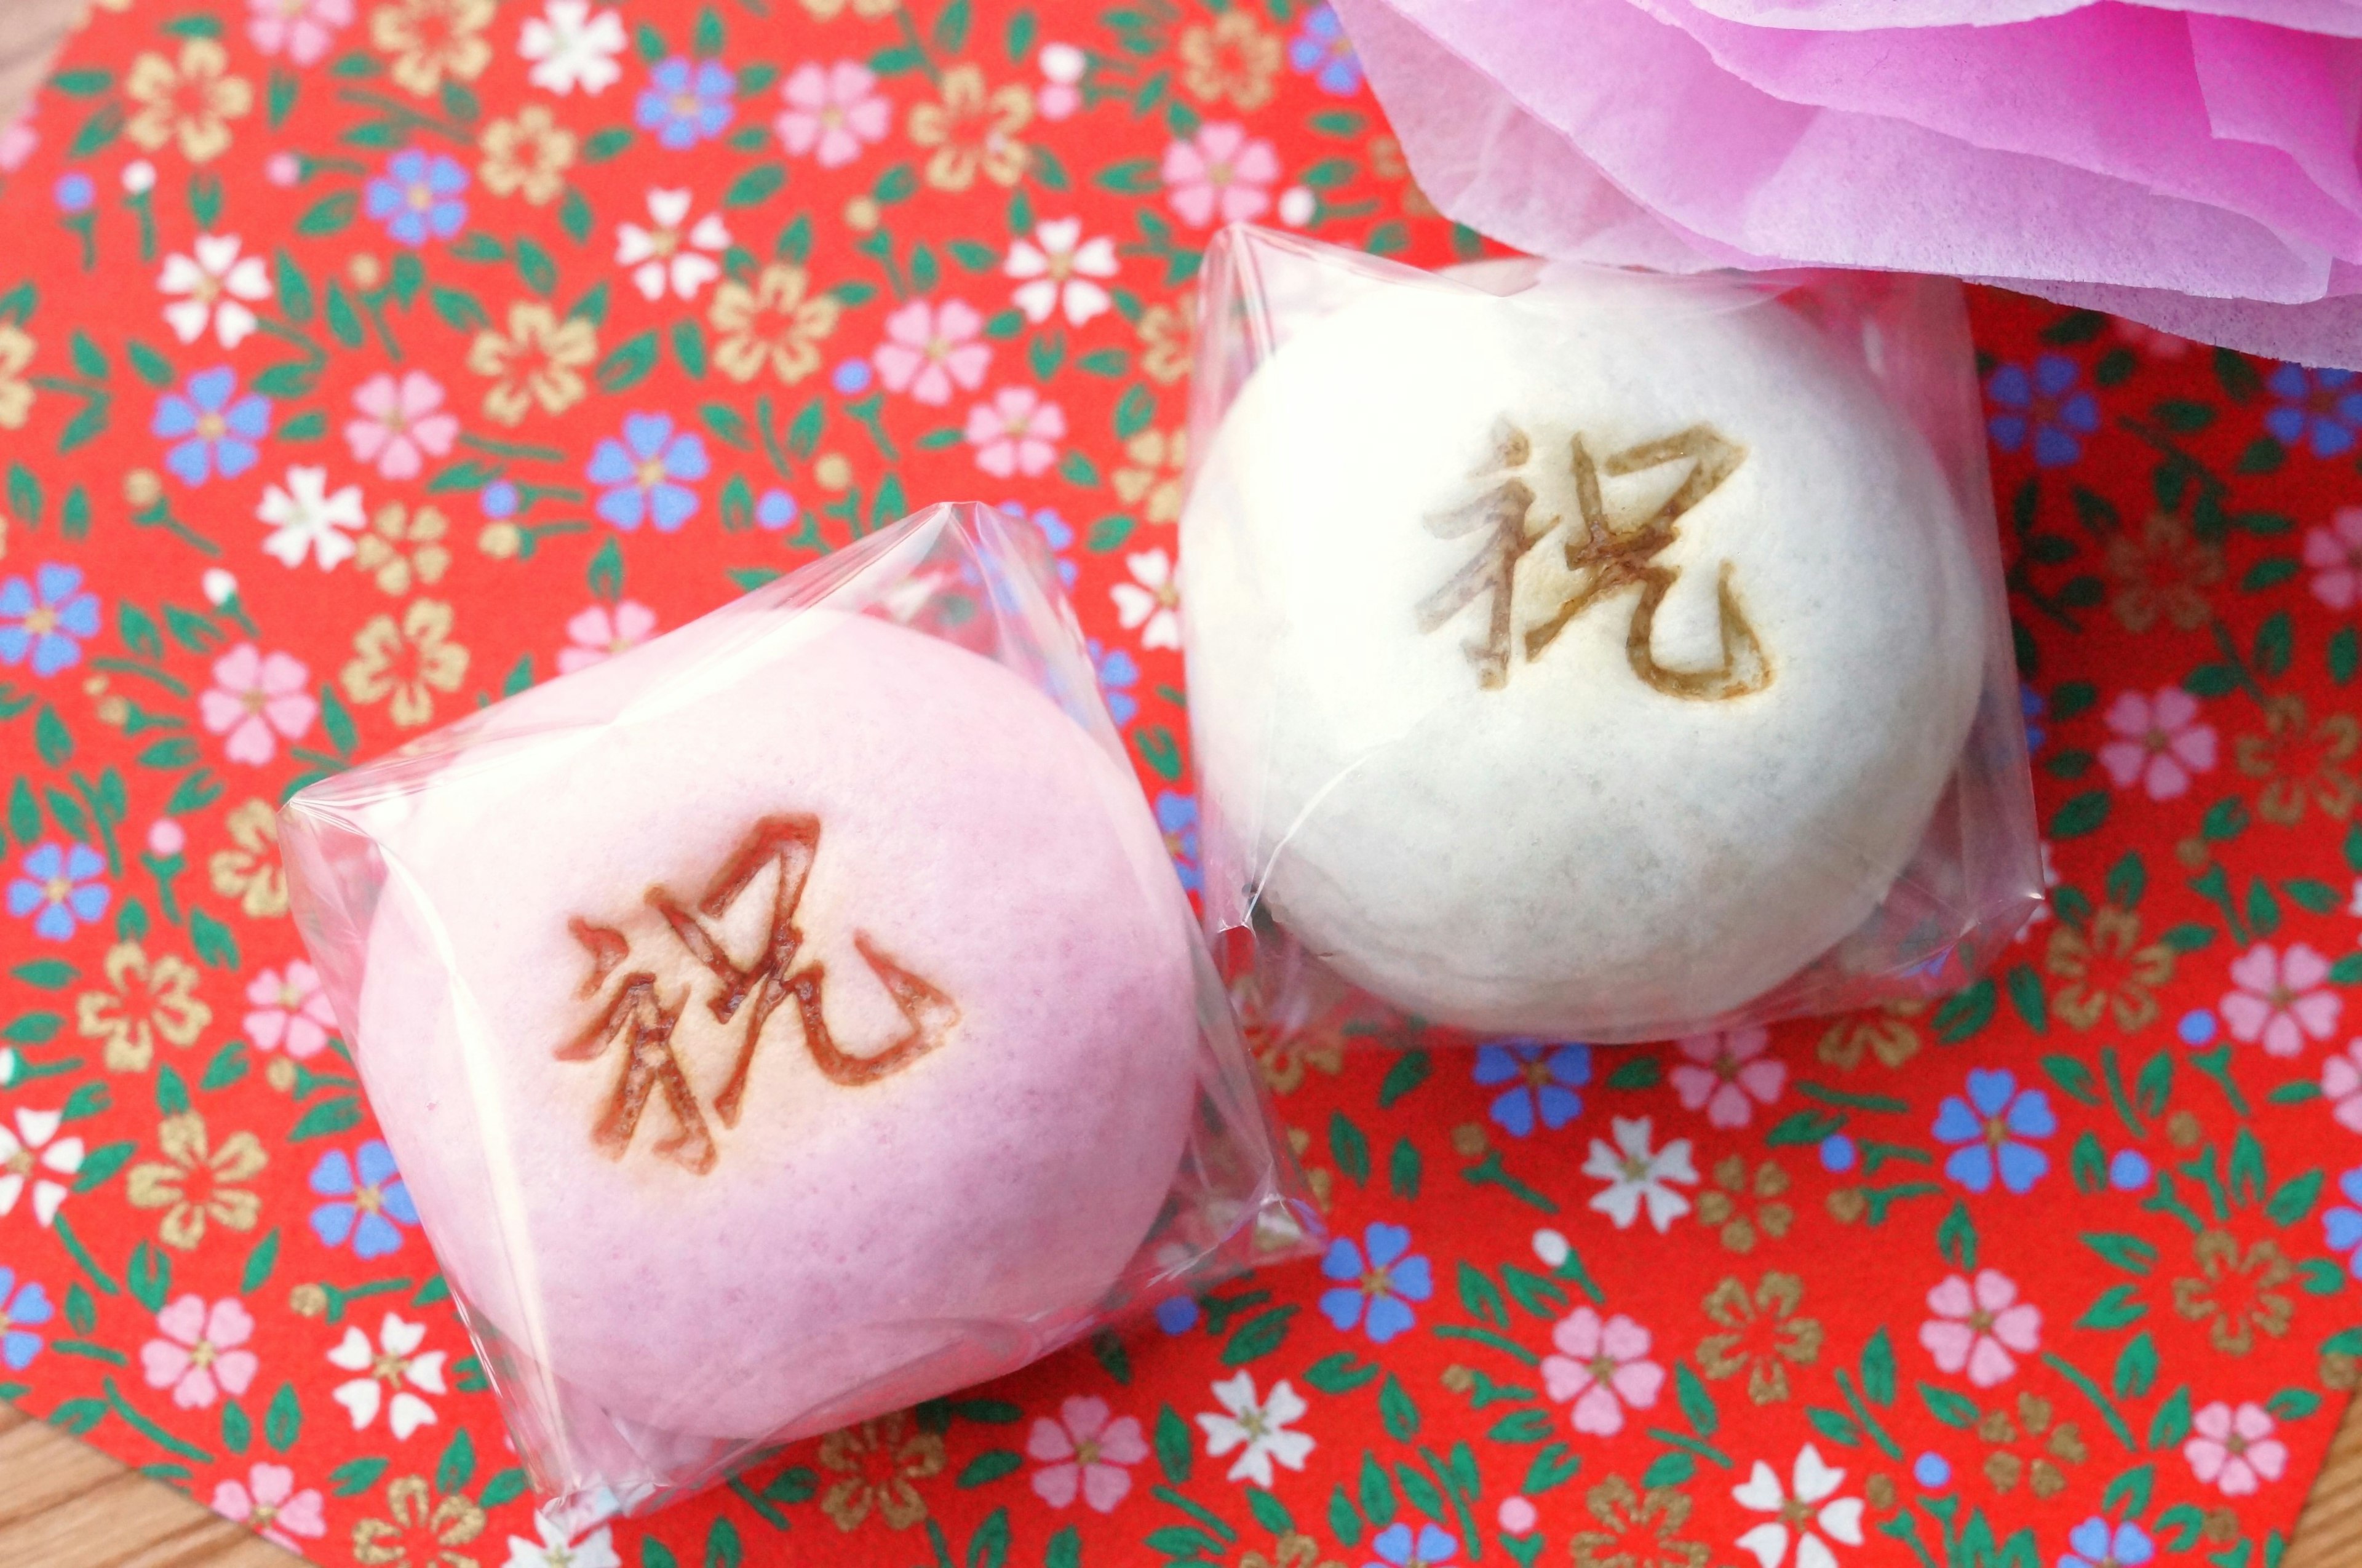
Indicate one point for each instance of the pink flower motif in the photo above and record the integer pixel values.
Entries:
(931, 349)
(401, 420)
(1978, 1323)
(291, 1009)
(2335, 554)
(17, 139)
(597, 634)
(1729, 1075)
(2161, 742)
(2235, 1450)
(2149, 340)
(252, 695)
(2341, 1085)
(831, 111)
(267, 1501)
(1016, 433)
(1603, 1367)
(1220, 176)
(2281, 1000)
(1083, 1450)
(305, 28)
(198, 1358)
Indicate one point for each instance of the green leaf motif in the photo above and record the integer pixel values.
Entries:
(1174, 1449)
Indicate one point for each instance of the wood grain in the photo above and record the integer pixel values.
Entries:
(64, 1504)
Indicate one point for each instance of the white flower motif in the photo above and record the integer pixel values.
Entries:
(213, 286)
(34, 1148)
(1056, 265)
(1635, 1175)
(1258, 1431)
(596, 1549)
(570, 47)
(306, 520)
(669, 253)
(394, 1362)
(10, 1063)
(1810, 1506)
(1152, 600)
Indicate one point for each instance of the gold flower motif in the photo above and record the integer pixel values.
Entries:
(526, 156)
(973, 129)
(1885, 1032)
(2166, 572)
(1285, 1061)
(1723, 1203)
(2043, 1475)
(380, 550)
(248, 871)
(1763, 1335)
(540, 359)
(1230, 58)
(1154, 474)
(422, 1530)
(1319, 1179)
(1388, 162)
(1290, 1551)
(409, 661)
(16, 391)
(430, 39)
(149, 998)
(2106, 973)
(778, 322)
(191, 102)
(194, 1182)
(878, 1460)
(2236, 1295)
(1165, 334)
(2301, 762)
(1636, 1530)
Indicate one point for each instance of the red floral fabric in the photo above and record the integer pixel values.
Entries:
(362, 360)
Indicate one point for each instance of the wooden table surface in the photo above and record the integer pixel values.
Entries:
(64, 1504)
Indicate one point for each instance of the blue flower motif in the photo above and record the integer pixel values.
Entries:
(1176, 816)
(217, 428)
(2031, 706)
(1932, 1471)
(75, 193)
(417, 197)
(1056, 529)
(2325, 405)
(1118, 675)
(1543, 1076)
(500, 499)
(1320, 46)
(374, 1208)
(646, 468)
(1397, 1547)
(1178, 1314)
(44, 616)
(775, 509)
(2342, 1226)
(686, 102)
(2093, 1544)
(1991, 1123)
(1380, 1290)
(851, 378)
(2046, 405)
(60, 882)
(19, 1315)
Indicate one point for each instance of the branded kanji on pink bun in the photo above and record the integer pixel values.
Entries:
(806, 1031)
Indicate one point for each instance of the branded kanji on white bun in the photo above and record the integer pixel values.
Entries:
(1572, 661)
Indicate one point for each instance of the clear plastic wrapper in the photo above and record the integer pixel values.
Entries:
(1587, 654)
(790, 1020)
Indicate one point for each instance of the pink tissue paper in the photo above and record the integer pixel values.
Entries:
(2189, 165)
